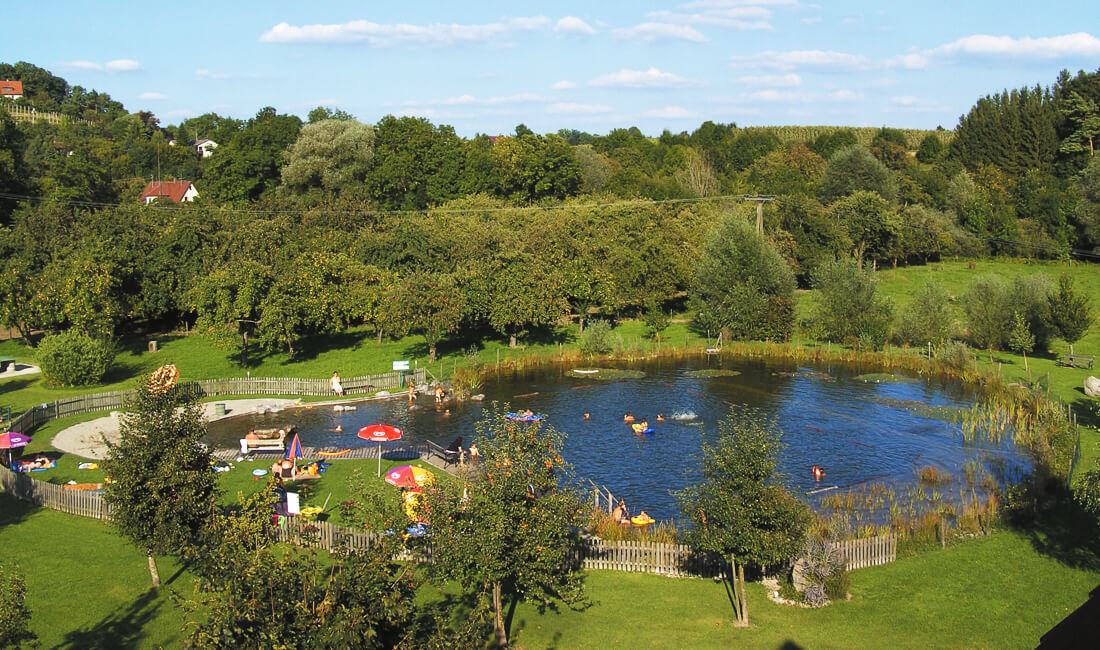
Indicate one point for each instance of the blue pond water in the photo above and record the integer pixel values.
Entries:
(858, 432)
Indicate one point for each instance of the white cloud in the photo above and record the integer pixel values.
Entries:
(564, 85)
(905, 100)
(574, 108)
(671, 112)
(122, 65)
(152, 96)
(1052, 47)
(812, 20)
(773, 80)
(1080, 44)
(382, 35)
(652, 78)
(800, 58)
(734, 17)
(117, 65)
(650, 32)
(845, 96)
(203, 73)
(774, 96)
(573, 25)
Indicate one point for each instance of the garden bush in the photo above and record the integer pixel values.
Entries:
(849, 309)
(656, 320)
(928, 318)
(597, 339)
(956, 355)
(74, 359)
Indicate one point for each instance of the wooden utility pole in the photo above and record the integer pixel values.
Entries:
(759, 209)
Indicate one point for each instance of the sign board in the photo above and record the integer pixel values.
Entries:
(292, 504)
(400, 365)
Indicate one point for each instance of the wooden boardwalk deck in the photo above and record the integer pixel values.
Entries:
(356, 453)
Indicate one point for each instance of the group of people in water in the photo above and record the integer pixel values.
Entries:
(621, 516)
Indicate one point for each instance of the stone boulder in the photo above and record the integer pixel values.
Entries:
(1092, 387)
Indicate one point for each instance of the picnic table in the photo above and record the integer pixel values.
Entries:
(1075, 360)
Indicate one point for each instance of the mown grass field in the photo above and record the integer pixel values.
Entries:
(1003, 590)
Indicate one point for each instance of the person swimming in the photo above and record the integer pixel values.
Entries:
(587, 415)
(660, 418)
(628, 417)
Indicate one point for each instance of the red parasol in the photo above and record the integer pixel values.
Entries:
(380, 433)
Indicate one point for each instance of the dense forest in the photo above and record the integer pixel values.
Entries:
(306, 227)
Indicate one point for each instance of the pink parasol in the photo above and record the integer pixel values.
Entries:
(11, 440)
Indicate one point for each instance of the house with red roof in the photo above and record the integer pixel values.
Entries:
(11, 89)
(174, 191)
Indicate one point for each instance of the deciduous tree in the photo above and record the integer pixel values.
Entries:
(162, 491)
(510, 532)
(740, 510)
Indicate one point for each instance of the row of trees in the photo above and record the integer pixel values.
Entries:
(1009, 175)
(506, 530)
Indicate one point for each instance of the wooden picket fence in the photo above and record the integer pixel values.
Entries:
(672, 560)
(55, 497)
(28, 114)
(869, 551)
(38, 415)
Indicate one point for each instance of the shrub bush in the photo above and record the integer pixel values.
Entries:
(74, 359)
(656, 320)
(597, 339)
(956, 355)
(848, 307)
(927, 319)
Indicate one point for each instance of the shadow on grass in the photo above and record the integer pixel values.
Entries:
(309, 348)
(13, 385)
(1067, 534)
(13, 511)
(121, 629)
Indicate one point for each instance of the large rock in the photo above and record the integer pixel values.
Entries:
(1092, 387)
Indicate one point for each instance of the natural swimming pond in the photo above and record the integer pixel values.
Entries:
(858, 431)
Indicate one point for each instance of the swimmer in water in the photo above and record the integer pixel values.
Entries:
(446, 411)
(660, 418)
(628, 417)
(339, 429)
(587, 415)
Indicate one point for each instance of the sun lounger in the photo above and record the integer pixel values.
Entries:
(248, 446)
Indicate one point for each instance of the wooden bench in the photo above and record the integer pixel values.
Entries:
(1075, 360)
(248, 446)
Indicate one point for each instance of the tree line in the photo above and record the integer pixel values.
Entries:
(309, 227)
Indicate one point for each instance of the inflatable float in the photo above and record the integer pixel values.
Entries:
(638, 429)
(334, 454)
(523, 418)
(642, 520)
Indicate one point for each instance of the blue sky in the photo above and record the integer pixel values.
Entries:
(487, 66)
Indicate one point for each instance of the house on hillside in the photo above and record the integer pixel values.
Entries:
(11, 89)
(174, 191)
(204, 147)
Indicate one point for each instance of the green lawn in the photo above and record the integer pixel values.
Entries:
(994, 592)
(86, 587)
